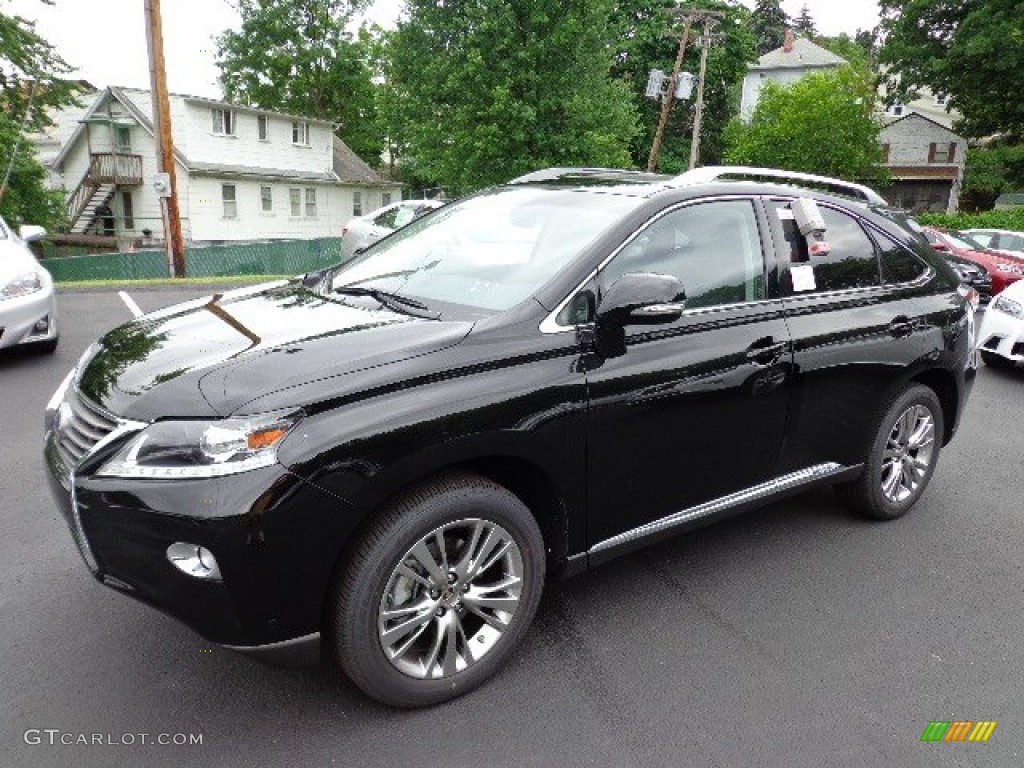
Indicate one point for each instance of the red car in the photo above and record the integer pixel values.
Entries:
(1005, 269)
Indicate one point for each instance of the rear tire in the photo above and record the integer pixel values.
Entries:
(901, 459)
(438, 593)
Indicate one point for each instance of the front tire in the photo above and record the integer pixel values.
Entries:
(438, 593)
(902, 457)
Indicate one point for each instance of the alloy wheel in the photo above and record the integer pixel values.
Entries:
(908, 453)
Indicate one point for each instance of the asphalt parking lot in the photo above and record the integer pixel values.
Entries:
(796, 635)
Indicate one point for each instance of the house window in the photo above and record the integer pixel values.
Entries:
(310, 202)
(262, 127)
(227, 194)
(127, 210)
(385, 198)
(885, 153)
(223, 121)
(357, 203)
(300, 132)
(941, 99)
(295, 201)
(122, 138)
(941, 153)
(897, 109)
(266, 199)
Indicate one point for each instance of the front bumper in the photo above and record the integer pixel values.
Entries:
(276, 538)
(19, 318)
(1002, 334)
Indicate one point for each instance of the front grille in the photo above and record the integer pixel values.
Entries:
(81, 424)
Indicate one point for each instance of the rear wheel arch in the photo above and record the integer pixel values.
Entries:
(943, 384)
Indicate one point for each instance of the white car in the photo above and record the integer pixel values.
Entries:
(1002, 240)
(28, 304)
(363, 231)
(1001, 336)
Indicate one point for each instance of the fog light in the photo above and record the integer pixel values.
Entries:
(43, 326)
(194, 560)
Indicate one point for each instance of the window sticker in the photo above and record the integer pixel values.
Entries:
(802, 276)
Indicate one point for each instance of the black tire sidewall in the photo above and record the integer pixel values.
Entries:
(359, 592)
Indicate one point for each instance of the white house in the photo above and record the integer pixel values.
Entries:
(926, 162)
(242, 173)
(797, 57)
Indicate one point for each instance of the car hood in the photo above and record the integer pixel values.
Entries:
(210, 357)
(14, 260)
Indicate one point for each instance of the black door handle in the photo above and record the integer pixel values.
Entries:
(901, 326)
(766, 351)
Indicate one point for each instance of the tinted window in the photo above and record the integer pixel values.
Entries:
(899, 265)
(712, 248)
(387, 219)
(850, 262)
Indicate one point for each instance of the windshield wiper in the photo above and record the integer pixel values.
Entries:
(390, 300)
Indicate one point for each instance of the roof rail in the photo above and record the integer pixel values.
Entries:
(713, 172)
(554, 174)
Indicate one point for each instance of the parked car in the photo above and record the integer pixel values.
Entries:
(1003, 269)
(28, 303)
(363, 231)
(388, 466)
(1002, 240)
(1001, 335)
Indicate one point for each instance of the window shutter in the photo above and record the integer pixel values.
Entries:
(952, 152)
(931, 152)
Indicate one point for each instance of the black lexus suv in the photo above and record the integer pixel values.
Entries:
(385, 460)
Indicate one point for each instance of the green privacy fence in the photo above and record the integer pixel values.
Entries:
(282, 257)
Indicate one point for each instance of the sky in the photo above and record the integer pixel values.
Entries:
(106, 39)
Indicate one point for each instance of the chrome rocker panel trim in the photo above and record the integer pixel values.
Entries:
(734, 502)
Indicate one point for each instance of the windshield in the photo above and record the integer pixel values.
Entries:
(961, 240)
(490, 251)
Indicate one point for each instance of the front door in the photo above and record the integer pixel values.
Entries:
(692, 410)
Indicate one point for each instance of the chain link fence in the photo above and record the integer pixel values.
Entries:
(281, 257)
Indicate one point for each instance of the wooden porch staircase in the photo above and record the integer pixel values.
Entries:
(107, 171)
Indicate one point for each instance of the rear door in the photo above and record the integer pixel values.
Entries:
(856, 327)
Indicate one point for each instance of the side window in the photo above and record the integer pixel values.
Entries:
(851, 261)
(712, 248)
(403, 215)
(898, 264)
(984, 238)
(387, 219)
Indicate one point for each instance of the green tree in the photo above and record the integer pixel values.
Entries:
(32, 82)
(296, 56)
(823, 123)
(970, 50)
(644, 43)
(479, 93)
(768, 22)
(989, 172)
(804, 24)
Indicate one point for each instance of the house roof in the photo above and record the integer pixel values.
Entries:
(351, 169)
(1010, 198)
(208, 102)
(219, 169)
(804, 54)
(891, 121)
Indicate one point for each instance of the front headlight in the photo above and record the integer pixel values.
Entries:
(1009, 306)
(168, 450)
(22, 285)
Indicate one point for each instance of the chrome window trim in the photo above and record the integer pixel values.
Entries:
(785, 482)
(550, 324)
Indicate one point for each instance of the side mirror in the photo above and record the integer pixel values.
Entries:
(30, 232)
(642, 298)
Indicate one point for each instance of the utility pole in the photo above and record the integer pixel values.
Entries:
(706, 42)
(689, 17)
(165, 146)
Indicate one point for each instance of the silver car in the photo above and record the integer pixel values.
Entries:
(363, 231)
(28, 304)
